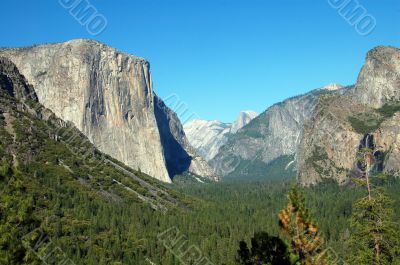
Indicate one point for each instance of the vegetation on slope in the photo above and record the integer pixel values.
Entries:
(368, 122)
(55, 185)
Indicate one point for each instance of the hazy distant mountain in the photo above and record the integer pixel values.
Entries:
(208, 136)
(332, 87)
(272, 137)
(244, 118)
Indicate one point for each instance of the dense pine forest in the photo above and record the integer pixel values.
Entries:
(91, 229)
(64, 202)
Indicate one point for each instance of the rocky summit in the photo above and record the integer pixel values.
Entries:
(208, 136)
(379, 79)
(366, 116)
(108, 95)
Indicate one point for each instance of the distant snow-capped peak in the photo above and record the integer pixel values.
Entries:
(208, 136)
(332, 87)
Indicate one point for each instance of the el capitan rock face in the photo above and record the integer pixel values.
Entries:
(109, 96)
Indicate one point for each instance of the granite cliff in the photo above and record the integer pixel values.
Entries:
(367, 116)
(108, 95)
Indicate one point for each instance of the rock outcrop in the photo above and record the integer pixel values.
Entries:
(379, 80)
(208, 136)
(329, 144)
(38, 143)
(109, 96)
(340, 124)
(387, 141)
(332, 87)
(14, 83)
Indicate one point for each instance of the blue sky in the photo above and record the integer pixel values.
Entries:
(220, 56)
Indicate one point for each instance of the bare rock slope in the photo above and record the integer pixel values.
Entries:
(208, 136)
(273, 136)
(109, 96)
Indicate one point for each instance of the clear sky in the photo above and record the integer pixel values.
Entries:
(220, 56)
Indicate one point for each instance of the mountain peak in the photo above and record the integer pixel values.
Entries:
(244, 118)
(332, 87)
(207, 136)
(249, 113)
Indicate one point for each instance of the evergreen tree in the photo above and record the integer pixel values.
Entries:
(305, 238)
(374, 239)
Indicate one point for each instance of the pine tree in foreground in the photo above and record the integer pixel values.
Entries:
(305, 238)
(374, 239)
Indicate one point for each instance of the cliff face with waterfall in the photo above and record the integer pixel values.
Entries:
(108, 95)
(366, 116)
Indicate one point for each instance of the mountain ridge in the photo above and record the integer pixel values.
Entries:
(207, 136)
(109, 89)
(272, 137)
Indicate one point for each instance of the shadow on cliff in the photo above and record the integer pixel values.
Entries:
(177, 159)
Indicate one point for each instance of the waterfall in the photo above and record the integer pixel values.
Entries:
(367, 141)
(378, 156)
